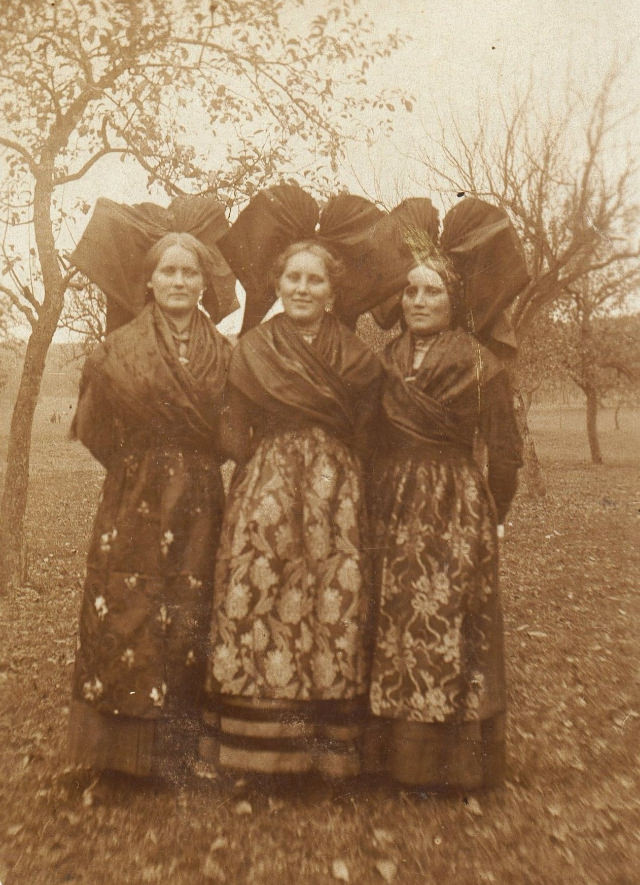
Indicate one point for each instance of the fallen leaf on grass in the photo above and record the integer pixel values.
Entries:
(387, 869)
(243, 807)
(559, 832)
(14, 830)
(212, 870)
(87, 796)
(382, 837)
(340, 871)
(626, 782)
(473, 806)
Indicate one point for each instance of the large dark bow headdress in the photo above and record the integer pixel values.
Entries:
(112, 248)
(478, 243)
(284, 214)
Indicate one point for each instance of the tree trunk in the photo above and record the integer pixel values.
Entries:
(616, 416)
(16, 481)
(531, 471)
(592, 424)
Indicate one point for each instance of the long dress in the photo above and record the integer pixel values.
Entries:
(289, 647)
(438, 684)
(151, 418)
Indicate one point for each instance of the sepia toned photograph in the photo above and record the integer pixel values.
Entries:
(319, 442)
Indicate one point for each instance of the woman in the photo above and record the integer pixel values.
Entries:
(149, 411)
(288, 658)
(437, 686)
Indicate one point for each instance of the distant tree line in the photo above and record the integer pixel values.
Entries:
(596, 354)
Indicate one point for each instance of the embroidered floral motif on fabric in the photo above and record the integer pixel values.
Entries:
(438, 652)
(291, 598)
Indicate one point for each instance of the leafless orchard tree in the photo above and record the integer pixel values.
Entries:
(539, 359)
(85, 79)
(600, 344)
(567, 184)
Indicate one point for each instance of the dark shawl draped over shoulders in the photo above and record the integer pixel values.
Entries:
(442, 400)
(136, 374)
(324, 382)
(459, 388)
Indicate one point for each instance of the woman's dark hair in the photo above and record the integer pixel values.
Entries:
(185, 241)
(333, 266)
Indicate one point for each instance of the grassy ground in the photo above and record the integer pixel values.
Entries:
(567, 814)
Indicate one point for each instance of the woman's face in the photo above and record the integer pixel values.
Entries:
(425, 302)
(177, 281)
(305, 289)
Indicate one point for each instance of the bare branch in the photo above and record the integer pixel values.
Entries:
(20, 305)
(19, 149)
(80, 173)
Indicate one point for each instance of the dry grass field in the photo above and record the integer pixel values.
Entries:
(568, 812)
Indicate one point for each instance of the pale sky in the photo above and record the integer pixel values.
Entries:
(462, 52)
(467, 51)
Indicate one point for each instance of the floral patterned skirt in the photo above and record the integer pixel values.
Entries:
(289, 649)
(141, 658)
(437, 683)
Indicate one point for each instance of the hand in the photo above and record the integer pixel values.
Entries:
(500, 532)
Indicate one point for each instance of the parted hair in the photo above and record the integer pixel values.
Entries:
(333, 266)
(185, 241)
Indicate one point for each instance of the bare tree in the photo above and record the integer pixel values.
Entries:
(600, 346)
(562, 177)
(539, 366)
(86, 79)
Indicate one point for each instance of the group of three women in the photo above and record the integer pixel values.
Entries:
(353, 622)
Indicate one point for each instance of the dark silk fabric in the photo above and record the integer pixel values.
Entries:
(281, 373)
(147, 596)
(442, 400)
(112, 248)
(284, 214)
(138, 370)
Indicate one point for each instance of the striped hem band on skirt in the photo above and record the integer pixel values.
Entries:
(281, 736)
